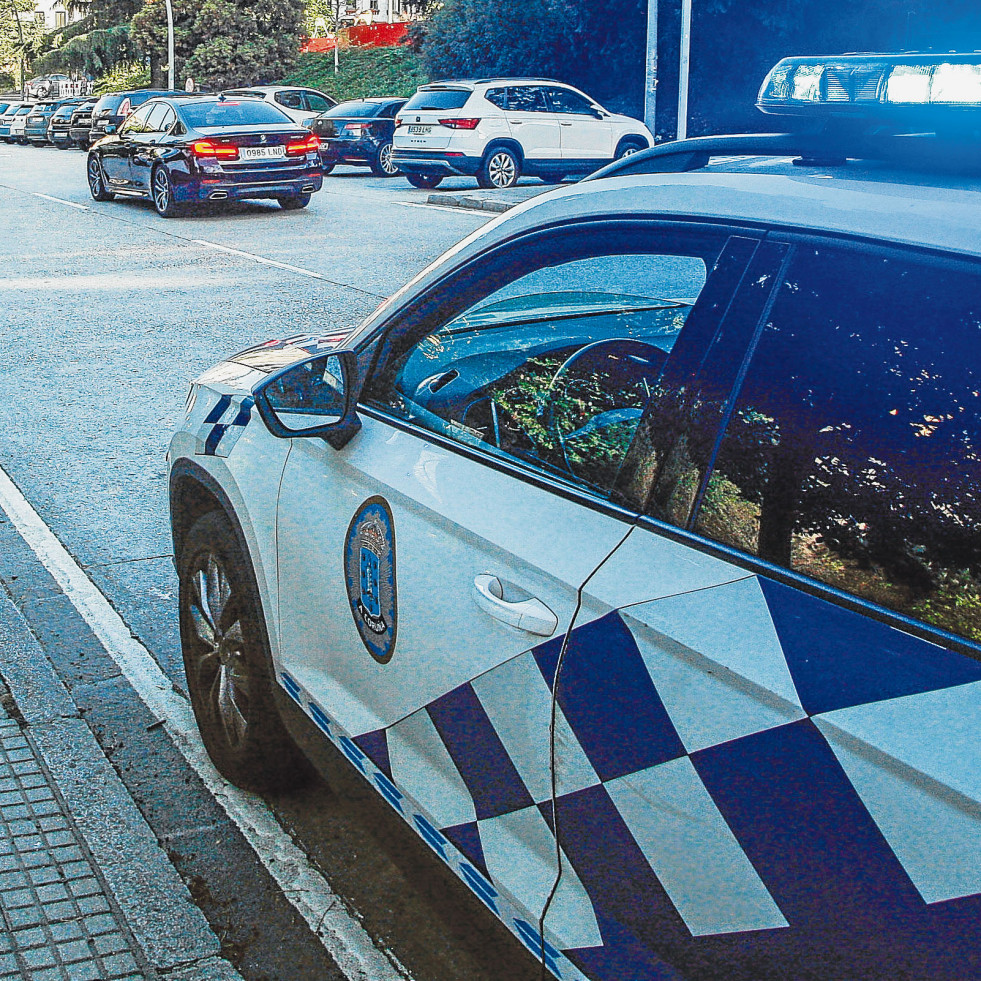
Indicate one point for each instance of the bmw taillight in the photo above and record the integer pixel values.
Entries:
(219, 151)
(459, 123)
(308, 145)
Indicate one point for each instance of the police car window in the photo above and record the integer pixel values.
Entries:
(852, 452)
(554, 367)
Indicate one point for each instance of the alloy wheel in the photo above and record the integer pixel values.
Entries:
(385, 160)
(502, 170)
(219, 661)
(96, 185)
(161, 191)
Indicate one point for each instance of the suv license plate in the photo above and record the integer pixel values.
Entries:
(420, 130)
(261, 152)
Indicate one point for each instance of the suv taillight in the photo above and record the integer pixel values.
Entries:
(125, 107)
(311, 143)
(459, 123)
(220, 151)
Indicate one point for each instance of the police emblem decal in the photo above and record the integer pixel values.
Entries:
(369, 568)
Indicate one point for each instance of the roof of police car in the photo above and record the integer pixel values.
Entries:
(872, 200)
(860, 199)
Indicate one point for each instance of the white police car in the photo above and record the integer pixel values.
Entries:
(632, 551)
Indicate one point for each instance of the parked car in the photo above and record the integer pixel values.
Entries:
(112, 109)
(80, 125)
(6, 115)
(18, 124)
(300, 104)
(642, 535)
(59, 127)
(358, 132)
(46, 86)
(39, 121)
(182, 151)
(498, 129)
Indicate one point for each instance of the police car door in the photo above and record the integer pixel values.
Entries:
(429, 569)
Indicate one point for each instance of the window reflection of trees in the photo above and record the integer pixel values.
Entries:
(852, 451)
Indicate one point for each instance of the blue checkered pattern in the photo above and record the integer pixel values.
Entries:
(751, 782)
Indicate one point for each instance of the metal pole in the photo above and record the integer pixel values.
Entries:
(650, 89)
(170, 45)
(683, 69)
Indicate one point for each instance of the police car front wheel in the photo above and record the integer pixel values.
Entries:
(227, 662)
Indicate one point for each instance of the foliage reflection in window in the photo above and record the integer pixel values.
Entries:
(852, 451)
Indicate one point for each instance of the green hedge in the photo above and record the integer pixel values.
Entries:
(363, 72)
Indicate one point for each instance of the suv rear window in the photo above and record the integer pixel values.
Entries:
(438, 99)
(108, 103)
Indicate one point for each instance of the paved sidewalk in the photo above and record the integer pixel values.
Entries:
(86, 891)
(57, 916)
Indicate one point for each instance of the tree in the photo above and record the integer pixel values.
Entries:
(221, 43)
(599, 47)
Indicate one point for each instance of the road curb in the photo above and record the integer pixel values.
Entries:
(472, 202)
(169, 929)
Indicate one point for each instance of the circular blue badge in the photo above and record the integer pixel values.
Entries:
(369, 568)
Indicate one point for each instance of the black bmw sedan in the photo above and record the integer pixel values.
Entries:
(186, 150)
(358, 132)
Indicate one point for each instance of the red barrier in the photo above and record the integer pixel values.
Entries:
(377, 35)
(317, 45)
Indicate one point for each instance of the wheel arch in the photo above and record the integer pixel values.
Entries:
(631, 139)
(506, 143)
(193, 493)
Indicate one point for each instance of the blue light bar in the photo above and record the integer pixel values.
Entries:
(874, 85)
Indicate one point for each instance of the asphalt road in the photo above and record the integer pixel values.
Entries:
(106, 312)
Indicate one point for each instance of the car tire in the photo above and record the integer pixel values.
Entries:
(382, 165)
(500, 168)
(97, 180)
(294, 202)
(424, 180)
(162, 193)
(227, 662)
(628, 147)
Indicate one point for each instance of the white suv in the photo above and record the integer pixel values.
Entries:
(497, 129)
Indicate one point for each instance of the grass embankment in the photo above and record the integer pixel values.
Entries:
(362, 73)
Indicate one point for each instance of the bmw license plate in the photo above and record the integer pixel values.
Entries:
(261, 152)
(420, 130)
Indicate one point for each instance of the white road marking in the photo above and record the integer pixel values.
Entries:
(456, 211)
(310, 894)
(71, 204)
(259, 258)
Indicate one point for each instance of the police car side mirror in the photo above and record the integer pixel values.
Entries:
(317, 397)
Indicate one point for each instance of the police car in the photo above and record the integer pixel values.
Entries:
(631, 551)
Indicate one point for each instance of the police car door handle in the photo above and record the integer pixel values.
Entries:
(524, 612)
